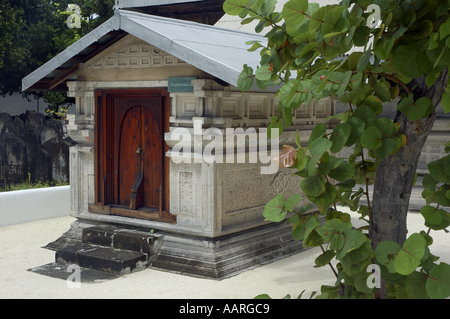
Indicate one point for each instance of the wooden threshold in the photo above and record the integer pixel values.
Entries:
(140, 213)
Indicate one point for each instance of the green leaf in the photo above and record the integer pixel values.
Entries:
(260, 26)
(366, 113)
(386, 126)
(432, 215)
(382, 91)
(415, 284)
(388, 147)
(441, 54)
(318, 132)
(415, 110)
(441, 196)
(313, 185)
(234, 7)
(406, 59)
(429, 182)
(371, 138)
(361, 36)
(343, 172)
(385, 252)
(262, 296)
(310, 225)
(358, 270)
(301, 160)
(274, 209)
(332, 228)
(330, 163)
(319, 146)
(340, 136)
(347, 184)
(445, 102)
(344, 83)
(324, 258)
(358, 126)
(294, 11)
(292, 202)
(277, 125)
(364, 61)
(438, 282)
(374, 103)
(408, 258)
(439, 168)
(263, 73)
(245, 79)
(353, 239)
(358, 255)
(325, 200)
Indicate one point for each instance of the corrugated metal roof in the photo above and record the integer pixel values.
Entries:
(119, 4)
(234, 22)
(217, 51)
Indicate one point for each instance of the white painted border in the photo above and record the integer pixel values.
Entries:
(25, 206)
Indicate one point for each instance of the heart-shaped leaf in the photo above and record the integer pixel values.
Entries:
(245, 79)
(274, 209)
(292, 202)
(438, 282)
(371, 138)
(313, 185)
(408, 258)
(340, 136)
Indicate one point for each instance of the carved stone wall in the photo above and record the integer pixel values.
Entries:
(135, 55)
(186, 193)
(246, 191)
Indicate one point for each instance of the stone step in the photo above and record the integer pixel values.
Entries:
(109, 259)
(109, 236)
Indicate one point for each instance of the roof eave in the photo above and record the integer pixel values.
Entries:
(33, 78)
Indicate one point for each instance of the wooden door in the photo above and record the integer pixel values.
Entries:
(131, 167)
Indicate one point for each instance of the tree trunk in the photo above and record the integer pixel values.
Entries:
(395, 174)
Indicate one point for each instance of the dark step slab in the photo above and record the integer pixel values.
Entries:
(109, 236)
(103, 258)
(63, 271)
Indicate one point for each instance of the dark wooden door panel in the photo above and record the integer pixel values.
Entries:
(131, 167)
(129, 160)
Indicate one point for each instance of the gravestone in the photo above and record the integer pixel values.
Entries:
(8, 127)
(18, 123)
(16, 157)
(5, 118)
(49, 145)
(52, 129)
(60, 162)
(41, 166)
(32, 140)
(3, 167)
(35, 119)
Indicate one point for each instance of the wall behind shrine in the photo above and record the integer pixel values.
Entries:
(30, 205)
(33, 147)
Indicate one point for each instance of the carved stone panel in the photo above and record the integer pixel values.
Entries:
(186, 195)
(246, 191)
(136, 55)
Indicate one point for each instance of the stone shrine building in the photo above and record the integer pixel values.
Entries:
(140, 79)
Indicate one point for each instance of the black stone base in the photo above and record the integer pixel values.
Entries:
(204, 257)
(63, 271)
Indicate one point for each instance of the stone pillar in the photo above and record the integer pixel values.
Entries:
(81, 130)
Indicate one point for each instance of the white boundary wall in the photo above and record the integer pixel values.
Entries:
(25, 206)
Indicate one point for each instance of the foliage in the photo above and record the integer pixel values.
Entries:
(303, 55)
(34, 31)
(27, 184)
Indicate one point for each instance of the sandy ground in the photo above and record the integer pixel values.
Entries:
(20, 249)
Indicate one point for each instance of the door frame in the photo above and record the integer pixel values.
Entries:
(104, 155)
